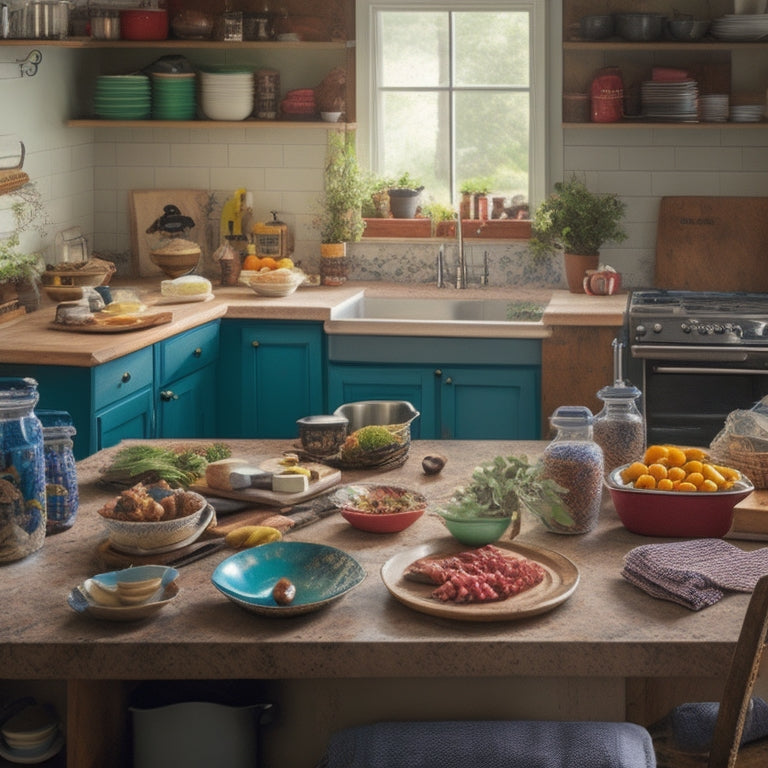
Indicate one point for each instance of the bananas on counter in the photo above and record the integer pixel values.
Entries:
(248, 536)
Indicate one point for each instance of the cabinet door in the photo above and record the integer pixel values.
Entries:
(128, 418)
(274, 376)
(187, 406)
(351, 383)
(490, 403)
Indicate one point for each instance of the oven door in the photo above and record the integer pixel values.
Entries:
(687, 402)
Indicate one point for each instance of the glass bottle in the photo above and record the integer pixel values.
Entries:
(619, 428)
(62, 497)
(575, 462)
(22, 474)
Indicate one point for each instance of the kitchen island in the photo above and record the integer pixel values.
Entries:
(610, 651)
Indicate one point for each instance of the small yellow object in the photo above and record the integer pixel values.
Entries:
(654, 453)
(251, 536)
(633, 471)
(695, 454)
(665, 484)
(645, 481)
(676, 456)
(676, 474)
(285, 263)
(294, 469)
(658, 471)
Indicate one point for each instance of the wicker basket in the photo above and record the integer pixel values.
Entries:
(740, 453)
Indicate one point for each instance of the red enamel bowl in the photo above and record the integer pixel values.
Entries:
(675, 513)
(379, 508)
(144, 24)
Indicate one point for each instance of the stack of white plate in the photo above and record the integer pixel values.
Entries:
(714, 107)
(670, 101)
(747, 113)
(227, 93)
(740, 27)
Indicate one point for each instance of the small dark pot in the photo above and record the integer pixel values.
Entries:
(404, 202)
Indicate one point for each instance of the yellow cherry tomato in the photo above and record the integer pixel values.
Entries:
(665, 484)
(676, 456)
(633, 471)
(659, 471)
(645, 481)
(655, 452)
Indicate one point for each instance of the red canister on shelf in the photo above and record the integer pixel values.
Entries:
(607, 96)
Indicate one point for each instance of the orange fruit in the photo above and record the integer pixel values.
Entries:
(268, 262)
(251, 261)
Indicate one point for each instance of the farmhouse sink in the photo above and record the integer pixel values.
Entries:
(430, 310)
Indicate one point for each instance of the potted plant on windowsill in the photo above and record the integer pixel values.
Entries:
(474, 199)
(443, 219)
(340, 221)
(578, 222)
(404, 197)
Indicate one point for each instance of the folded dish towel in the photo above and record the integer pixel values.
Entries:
(694, 573)
(490, 744)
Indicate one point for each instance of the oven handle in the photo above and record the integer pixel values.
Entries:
(729, 371)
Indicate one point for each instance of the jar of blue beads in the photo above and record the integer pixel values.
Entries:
(22, 470)
(62, 497)
(575, 462)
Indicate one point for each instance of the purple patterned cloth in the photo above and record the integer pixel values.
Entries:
(694, 573)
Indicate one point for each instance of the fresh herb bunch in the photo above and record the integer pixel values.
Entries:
(178, 467)
(497, 487)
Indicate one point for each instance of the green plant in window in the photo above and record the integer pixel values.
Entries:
(477, 186)
(376, 203)
(341, 220)
(575, 220)
(18, 265)
(406, 181)
(438, 212)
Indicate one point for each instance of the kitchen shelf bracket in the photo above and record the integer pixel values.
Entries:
(21, 67)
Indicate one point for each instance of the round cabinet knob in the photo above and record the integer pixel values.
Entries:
(449, 380)
(254, 343)
(438, 372)
(197, 353)
(126, 377)
(167, 395)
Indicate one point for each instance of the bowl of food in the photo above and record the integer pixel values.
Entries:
(687, 510)
(475, 531)
(379, 508)
(287, 578)
(155, 518)
(177, 257)
(276, 282)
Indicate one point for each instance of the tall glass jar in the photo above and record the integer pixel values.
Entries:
(575, 462)
(619, 428)
(62, 496)
(22, 470)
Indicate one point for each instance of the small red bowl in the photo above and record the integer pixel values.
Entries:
(364, 506)
(144, 24)
(674, 513)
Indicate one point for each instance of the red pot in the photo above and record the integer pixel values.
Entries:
(144, 24)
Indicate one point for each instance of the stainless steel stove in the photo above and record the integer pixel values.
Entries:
(699, 325)
(699, 356)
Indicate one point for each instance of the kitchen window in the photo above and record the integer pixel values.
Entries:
(452, 92)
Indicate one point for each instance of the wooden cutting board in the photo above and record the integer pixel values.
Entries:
(712, 243)
(146, 206)
(750, 517)
(328, 477)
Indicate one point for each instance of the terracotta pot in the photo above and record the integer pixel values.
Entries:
(576, 266)
(333, 263)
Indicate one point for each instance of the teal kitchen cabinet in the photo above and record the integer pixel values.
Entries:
(185, 383)
(108, 402)
(465, 389)
(274, 373)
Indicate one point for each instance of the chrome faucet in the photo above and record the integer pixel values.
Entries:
(461, 262)
(440, 267)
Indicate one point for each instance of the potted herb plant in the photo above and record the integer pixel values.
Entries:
(404, 196)
(480, 512)
(443, 219)
(474, 198)
(20, 269)
(578, 222)
(340, 221)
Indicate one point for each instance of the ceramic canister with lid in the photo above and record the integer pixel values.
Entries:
(22, 474)
(62, 496)
(575, 462)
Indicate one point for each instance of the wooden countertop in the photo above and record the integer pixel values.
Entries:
(30, 340)
(607, 628)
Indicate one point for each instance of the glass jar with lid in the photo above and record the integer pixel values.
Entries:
(22, 470)
(619, 428)
(575, 462)
(62, 497)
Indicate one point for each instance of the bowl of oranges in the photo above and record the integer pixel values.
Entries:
(673, 491)
(267, 276)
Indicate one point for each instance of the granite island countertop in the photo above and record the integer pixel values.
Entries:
(31, 338)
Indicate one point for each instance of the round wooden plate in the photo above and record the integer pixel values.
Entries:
(559, 584)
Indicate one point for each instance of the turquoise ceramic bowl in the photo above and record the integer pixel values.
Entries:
(321, 575)
(476, 531)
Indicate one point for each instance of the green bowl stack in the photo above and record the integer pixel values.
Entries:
(123, 97)
(173, 96)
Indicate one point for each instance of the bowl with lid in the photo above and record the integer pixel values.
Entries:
(322, 435)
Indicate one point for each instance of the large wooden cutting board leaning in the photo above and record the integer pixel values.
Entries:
(146, 206)
(750, 517)
(712, 244)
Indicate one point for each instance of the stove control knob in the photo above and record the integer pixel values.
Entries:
(658, 327)
(718, 329)
(640, 331)
(685, 328)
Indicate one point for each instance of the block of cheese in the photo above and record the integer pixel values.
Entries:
(187, 285)
(249, 477)
(217, 473)
(289, 483)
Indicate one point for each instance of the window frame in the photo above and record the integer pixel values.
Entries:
(538, 74)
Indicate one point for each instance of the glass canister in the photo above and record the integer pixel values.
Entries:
(619, 428)
(62, 497)
(575, 462)
(22, 475)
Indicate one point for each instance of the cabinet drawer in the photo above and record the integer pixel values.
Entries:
(121, 377)
(187, 352)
